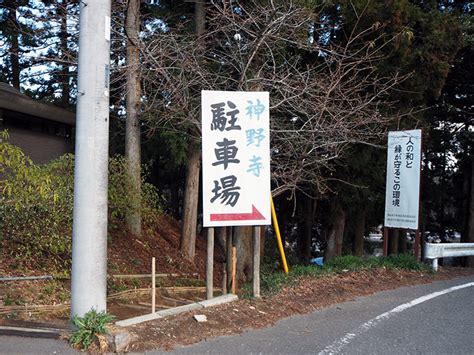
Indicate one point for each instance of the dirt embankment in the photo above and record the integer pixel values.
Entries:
(127, 254)
(305, 296)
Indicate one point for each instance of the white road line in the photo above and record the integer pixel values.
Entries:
(337, 346)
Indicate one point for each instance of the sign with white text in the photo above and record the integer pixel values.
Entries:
(402, 195)
(235, 158)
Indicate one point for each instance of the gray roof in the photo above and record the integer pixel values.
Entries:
(11, 99)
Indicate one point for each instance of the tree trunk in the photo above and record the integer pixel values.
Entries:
(336, 231)
(442, 192)
(200, 17)
(243, 242)
(468, 231)
(63, 37)
(341, 224)
(14, 44)
(191, 197)
(191, 193)
(393, 240)
(132, 128)
(175, 200)
(402, 242)
(283, 216)
(359, 229)
(305, 237)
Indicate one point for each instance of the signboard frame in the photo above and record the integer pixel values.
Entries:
(235, 158)
(401, 225)
(225, 112)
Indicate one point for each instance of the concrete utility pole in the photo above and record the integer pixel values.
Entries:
(89, 237)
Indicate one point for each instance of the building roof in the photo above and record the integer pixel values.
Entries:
(12, 100)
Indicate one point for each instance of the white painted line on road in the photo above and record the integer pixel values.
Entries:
(337, 346)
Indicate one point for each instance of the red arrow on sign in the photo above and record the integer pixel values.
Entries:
(254, 215)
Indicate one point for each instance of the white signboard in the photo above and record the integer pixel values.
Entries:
(402, 194)
(235, 158)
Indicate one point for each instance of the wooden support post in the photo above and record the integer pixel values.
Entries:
(210, 263)
(234, 270)
(228, 257)
(385, 241)
(256, 261)
(416, 248)
(224, 278)
(153, 285)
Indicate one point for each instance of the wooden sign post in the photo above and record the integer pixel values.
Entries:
(235, 166)
(402, 195)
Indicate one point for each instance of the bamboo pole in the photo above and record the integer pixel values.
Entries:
(144, 276)
(25, 278)
(153, 285)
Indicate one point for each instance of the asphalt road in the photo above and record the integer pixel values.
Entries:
(424, 319)
(443, 324)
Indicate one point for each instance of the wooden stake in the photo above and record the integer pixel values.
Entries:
(153, 285)
(416, 248)
(234, 269)
(385, 241)
(224, 279)
(256, 261)
(210, 263)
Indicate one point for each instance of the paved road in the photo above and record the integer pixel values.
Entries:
(408, 320)
(443, 324)
(10, 345)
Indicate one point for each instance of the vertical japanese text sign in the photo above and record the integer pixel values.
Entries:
(235, 158)
(402, 193)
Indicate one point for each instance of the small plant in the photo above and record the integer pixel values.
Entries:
(64, 296)
(7, 300)
(88, 327)
(48, 290)
(272, 282)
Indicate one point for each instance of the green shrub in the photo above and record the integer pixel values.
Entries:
(404, 261)
(36, 203)
(354, 263)
(88, 327)
(271, 280)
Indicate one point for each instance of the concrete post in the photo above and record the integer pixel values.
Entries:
(89, 237)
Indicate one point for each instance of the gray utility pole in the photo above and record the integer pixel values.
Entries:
(89, 236)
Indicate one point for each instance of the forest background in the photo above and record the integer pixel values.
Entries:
(341, 74)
